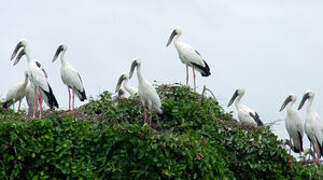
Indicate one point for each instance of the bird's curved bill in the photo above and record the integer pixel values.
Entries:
(18, 46)
(21, 53)
(119, 83)
(132, 68)
(287, 100)
(305, 97)
(59, 49)
(235, 95)
(171, 37)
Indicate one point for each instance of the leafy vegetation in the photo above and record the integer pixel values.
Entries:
(106, 139)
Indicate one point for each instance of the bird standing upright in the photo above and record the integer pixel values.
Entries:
(294, 124)
(37, 77)
(70, 77)
(146, 91)
(313, 124)
(245, 114)
(189, 56)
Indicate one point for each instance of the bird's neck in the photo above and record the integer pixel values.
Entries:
(176, 41)
(238, 103)
(26, 81)
(309, 107)
(139, 75)
(125, 85)
(289, 106)
(63, 58)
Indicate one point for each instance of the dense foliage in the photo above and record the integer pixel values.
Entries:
(193, 139)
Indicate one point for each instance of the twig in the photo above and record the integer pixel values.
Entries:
(203, 93)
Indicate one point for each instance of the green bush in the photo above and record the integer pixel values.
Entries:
(192, 139)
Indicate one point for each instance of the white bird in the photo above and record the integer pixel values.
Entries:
(245, 114)
(313, 124)
(16, 93)
(189, 56)
(146, 91)
(294, 124)
(30, 96)
(124, 78)
(36, 77)
(122, 93)
(70, 77)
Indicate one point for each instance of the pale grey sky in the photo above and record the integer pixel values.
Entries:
(269, 48)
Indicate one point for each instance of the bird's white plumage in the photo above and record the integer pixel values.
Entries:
(313, 122)
(18, 91)
(188, 54)
(146, 91)
(69, 75)
(293, 122)
(244, 112)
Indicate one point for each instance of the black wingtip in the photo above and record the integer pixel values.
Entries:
(6, 104)
(82, 95)
(205, 71)
(257, 119)
(51, 98)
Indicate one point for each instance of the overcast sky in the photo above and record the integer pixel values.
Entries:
(269, 48)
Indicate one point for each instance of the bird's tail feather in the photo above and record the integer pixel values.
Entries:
(7, 103)
(81, 95)
(51, 98)
(205, 71)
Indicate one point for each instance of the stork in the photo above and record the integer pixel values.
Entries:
(16, 93)
(38, 80)
(121, 93)
(313, 124)
(70, 77)
(245, 114)
(124, 78)
(293, 124)
(146, 91)
(189, 56)
(30, 93)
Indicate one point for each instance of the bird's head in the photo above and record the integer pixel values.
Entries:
(239, 92)
(61, 48)
(176, 32)
(123, 77)
(21, 44)
(289, 100)
(136, 62)
(309, 95)
(23, 52)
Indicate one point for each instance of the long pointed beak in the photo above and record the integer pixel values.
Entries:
(18, 46)
(119, 83)
(287, 100)
(132, 68)
(235, 95)
(21, 53)
(305, 97)
(171, 37)
(59, 49)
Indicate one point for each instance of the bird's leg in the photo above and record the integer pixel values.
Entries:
(309, 156)
(290, 144)
(35, 103)
(69, 99)
(13, 107)
(194, 77)
(19, 105)
(73, 95)
(187, 75)
(150, 116)
(145, 117)
(40, 105)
